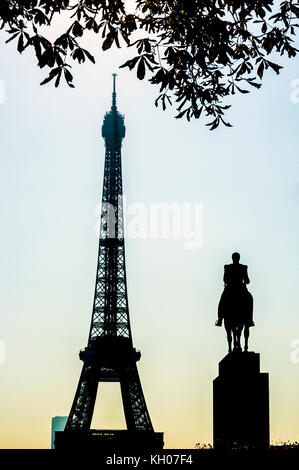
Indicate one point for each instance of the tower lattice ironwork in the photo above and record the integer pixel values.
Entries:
(110, 355)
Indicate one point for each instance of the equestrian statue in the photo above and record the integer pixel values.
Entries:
(236, 304)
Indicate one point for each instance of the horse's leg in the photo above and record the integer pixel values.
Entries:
(237, 338)
(246, 336)
(235, 333)
(240, 334)
(238, 330)
(229, 336)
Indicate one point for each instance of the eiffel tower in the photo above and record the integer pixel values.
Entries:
(110, 355)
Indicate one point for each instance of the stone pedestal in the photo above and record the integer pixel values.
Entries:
(241, 402)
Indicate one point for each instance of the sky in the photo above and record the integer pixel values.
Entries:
(243, 179)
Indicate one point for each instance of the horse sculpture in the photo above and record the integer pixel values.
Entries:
(236, 304)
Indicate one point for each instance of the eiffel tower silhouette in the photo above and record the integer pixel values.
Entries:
(110, 355)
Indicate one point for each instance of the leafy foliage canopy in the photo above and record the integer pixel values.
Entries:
(197, 51)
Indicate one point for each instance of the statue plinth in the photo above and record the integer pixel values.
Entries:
(241, 402)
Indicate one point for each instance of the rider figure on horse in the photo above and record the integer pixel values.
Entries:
(235, 279)
(236, 303)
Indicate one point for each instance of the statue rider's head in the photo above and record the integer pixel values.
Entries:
(236, 258)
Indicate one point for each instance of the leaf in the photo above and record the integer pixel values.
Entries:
(40, 18)
(77, 29)
(13, 37)
(58, 79)
(260, 70)
(141, 69)
(108, 42)
(294, 9)
(45, 42)
(46, 80)
(89, 56)
(275, 67)
(242, 90)
(117, 41)
(254, 84)
(62, 41)
(68, 76)
(79, 55)
(146, 62)
(36, 44)
(157, 100)
(227, 124)
(213, 124)
(52, 74)
(125, 38)
(180, 115)
(159, 76)
(92, 24)
(147, 45)
(21, 43)
(130, 63)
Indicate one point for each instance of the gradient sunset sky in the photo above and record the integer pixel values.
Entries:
(246, 178)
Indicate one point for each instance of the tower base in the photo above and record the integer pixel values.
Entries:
(108, 440)
(241, 402)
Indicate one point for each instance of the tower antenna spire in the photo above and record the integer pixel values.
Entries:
(114, 75)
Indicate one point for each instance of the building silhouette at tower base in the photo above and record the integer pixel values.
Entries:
(122, 440)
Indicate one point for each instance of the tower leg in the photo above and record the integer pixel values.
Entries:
(135, 409)
(82, 409)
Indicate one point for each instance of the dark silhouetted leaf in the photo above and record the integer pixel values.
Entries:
(141, 69)
(108, 42)
(260, 70)
(21, 43)
(13, 37)
(130, 63)
(89, 56)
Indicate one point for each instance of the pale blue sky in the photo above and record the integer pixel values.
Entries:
(52, 158)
